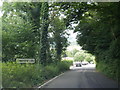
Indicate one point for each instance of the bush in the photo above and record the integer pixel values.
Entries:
(63, 66)
(16, 75)
(109, 69)
(50, 71)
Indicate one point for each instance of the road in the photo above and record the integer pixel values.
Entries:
(82, 77)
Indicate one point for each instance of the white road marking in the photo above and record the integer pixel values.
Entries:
(50, 80)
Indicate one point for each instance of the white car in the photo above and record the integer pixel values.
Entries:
(84, 63)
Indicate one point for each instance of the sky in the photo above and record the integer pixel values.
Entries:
(0, 8)
(72, 37)
(72, 40)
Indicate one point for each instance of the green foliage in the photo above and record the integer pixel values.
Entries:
(89, 57)
(99, 35)
(18, 39)
(25, 32)
(19, 31)
(50, 71)
(72, 53)
(58, 40)
(17, 75)
(69, 62)
(79, 56)
(44, 33)
(25, 35)
(30, 75)
(111, 70)
(63, 65)
(72, 11)
(83, 56)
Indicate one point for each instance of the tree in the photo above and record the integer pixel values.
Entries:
(24, 30)
(79, 56)
(72, 11)
(58, 39)
(72, 52)
(96, 33)
(44, 33)
(99, 35)
(17, 38)
(89, 57)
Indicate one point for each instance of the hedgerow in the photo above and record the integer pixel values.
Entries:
(16, 75)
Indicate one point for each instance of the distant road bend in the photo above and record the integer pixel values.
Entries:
(82, 77)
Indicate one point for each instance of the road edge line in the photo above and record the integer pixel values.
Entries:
(50, 80)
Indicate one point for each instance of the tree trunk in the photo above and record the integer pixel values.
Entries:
(44, 33)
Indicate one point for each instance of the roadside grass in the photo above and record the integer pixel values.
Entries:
(16, 75)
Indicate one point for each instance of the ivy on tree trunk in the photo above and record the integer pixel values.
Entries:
(44, 33)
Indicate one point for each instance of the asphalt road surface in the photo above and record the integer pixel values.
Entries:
(82, 77)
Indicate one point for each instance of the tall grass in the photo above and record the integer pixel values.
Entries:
(29, 75)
